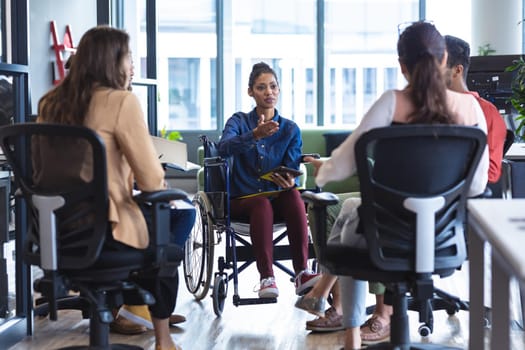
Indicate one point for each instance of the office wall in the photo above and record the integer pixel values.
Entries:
(79, 14)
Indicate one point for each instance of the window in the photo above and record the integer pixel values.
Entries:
(186, 65)
(360, 51)
(281, 34)
(186, 60)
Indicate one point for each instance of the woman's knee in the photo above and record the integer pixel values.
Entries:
(181, 224)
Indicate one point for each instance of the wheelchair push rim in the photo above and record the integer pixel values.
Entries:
(199, 249)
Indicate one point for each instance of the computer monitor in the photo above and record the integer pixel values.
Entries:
(488, 77)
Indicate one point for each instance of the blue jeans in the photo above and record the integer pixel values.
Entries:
(181, 222)
(353, 292)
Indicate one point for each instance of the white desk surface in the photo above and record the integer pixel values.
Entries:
(503, 223)
(516, 151)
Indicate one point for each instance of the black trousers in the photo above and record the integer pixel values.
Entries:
(164, 289)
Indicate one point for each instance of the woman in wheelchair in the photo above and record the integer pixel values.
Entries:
(257, 142)
(425, 100)
(94, 94)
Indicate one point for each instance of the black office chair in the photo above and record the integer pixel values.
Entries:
(69, 234)
(402, 170)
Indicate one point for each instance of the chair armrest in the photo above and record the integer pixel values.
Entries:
(313, 155)
(320, 199)
(318, 203)
(213, 161)
(160, 196)
(160, 244)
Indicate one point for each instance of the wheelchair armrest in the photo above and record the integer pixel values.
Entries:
(313, 155)
(160, 196)
(213, 161)
(320, 199)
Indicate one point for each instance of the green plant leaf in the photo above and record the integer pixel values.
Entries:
(517, 99)
(174, 136)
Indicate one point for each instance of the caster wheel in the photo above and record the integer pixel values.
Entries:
(424, 330)
(451, 311)
(220, 290)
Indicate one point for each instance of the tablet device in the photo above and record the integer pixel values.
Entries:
(281, 170)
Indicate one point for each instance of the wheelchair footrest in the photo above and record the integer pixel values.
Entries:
(253, 301)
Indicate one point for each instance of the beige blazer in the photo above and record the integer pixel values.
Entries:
(116, 115)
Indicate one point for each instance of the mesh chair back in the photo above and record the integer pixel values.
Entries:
(509, 140)
(66, 161)
(420, 161)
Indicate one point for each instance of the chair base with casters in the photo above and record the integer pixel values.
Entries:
(214, 224)
(440, 300)
(65, 301)
(342, 260)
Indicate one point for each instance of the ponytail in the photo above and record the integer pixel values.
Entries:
(428, 92)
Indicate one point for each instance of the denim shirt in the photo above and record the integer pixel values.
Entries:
(253, 158)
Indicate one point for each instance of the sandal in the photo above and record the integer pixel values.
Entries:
(373, 331)
(331, 322)
(176, 318)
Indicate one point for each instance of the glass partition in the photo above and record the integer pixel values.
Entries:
(15, 288)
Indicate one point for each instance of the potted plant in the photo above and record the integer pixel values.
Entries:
(517, 99)
(171, 135)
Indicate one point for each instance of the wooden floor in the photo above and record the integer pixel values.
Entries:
(277, 326)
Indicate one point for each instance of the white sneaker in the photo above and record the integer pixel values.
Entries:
(268, 288)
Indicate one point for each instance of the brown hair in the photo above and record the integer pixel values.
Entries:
(98, 63)
(421, 48)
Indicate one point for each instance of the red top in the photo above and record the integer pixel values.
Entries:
(496, 132)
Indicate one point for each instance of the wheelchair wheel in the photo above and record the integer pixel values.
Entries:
(198, 252)
(220, 290)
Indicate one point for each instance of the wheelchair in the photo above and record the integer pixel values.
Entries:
(212, 223)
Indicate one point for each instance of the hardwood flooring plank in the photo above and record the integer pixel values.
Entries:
(277, 326)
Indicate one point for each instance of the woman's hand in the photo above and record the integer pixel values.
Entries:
(265, 128)
(284, 180)
(315, 162)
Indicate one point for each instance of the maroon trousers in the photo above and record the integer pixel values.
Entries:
(262, 213)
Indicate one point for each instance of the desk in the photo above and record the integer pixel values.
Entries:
(513, 172)
(516, 151)
(500, 223)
